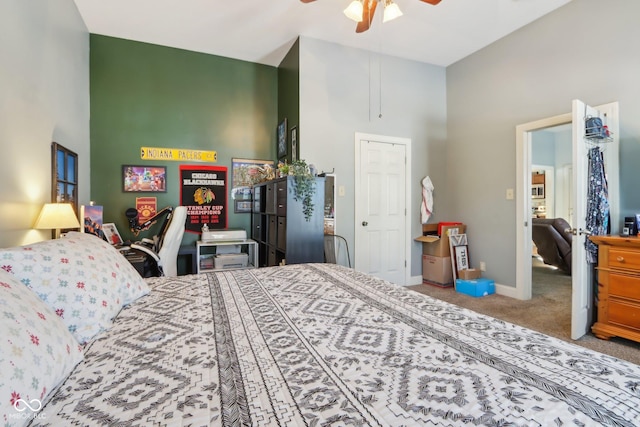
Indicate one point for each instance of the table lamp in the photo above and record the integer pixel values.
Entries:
(56, 216)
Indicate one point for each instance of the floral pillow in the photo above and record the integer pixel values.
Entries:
(82, 278)
(37, 352)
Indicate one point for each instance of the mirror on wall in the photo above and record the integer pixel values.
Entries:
(329, 204)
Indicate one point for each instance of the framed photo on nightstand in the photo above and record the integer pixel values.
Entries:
(111, 234)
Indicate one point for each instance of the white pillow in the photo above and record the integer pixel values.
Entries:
(81, 277)
(37, 351)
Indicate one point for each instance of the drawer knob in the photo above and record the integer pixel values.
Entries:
(620, 258)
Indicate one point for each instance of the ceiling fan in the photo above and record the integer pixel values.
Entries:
(362, 11)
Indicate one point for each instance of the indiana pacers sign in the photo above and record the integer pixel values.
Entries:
(178, 154)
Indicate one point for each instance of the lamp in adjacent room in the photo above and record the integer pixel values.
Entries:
(56, 216)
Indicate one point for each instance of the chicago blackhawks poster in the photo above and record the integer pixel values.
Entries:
(203, 191)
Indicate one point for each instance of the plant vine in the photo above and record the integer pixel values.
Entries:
(304, 186)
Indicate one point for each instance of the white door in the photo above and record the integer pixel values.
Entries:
(381, 233)
(582, 300)
(582, 293)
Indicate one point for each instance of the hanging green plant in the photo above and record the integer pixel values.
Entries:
(304, 186)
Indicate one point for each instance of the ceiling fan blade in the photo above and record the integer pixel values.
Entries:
(368, 9)
(307, 1)
(433, 2)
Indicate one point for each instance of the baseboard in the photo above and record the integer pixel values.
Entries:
(507, 291)
(415, 280)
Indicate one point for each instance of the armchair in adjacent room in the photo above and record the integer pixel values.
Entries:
(553, 240)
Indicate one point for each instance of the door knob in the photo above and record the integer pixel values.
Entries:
(577, 232)
(365, 223)
(585, 232)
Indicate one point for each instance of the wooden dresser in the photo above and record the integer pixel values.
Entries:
(618, 287)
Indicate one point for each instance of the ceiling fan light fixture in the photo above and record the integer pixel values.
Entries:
(391, 11)
(354, 11)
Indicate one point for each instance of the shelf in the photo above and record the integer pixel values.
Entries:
(247, 246)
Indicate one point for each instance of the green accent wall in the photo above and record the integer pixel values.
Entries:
(289, 93)
(144, 95)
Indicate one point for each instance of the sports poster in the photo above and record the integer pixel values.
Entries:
(203, 190)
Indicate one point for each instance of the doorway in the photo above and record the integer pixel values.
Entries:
(582, 290)
(382, 193)
(550, 154)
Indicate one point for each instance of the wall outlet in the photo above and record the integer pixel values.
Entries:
(483, 266)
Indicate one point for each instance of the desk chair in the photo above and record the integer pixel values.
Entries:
(165, 251)
(336, 250)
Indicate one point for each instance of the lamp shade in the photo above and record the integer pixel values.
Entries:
(55, 216)
(391, 11)
(354, 10)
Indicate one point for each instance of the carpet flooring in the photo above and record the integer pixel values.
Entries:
(549, 310)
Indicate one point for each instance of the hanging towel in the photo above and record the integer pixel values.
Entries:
(597, 221)
(426, 208)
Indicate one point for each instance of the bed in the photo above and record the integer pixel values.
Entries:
(321, 344)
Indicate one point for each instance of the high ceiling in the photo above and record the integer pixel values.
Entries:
(262, 31)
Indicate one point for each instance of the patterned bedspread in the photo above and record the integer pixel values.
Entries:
(321, 345)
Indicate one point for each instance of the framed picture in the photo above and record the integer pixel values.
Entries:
(111, 234)
(248, 172)
(282, 139)
(91, 219)
(241, 206)
(204, 191)
(459, 253)
(151, 179)
(295, 155)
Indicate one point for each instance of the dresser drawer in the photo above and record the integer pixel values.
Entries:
(624, 286)
(624, 314)
(629, 260)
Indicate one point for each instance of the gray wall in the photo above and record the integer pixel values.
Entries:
(335, 103)
(580, 51)
(44, 97)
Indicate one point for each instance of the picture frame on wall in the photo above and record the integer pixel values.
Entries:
(295, 155)
(246, 173)
(242, 206)
(282, 139)
(144, 179)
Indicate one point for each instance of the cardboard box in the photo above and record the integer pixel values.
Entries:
(469, 274)
(476, 287)
(435, 245)
(437, 270)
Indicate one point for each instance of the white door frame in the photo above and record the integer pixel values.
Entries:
(524, 246)
(359, 136)
(523, 192)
